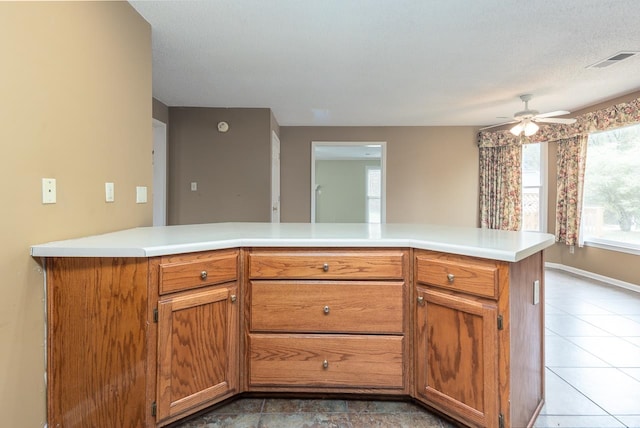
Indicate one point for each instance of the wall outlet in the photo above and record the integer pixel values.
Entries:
(109, 192)
(536, 292)
(141, 195)
(48, 190)
(194, 186)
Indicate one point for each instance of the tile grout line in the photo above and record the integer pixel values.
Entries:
(582, 393)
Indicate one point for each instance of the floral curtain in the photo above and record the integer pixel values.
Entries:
(572, 146)
(500, 187)
(572, 153)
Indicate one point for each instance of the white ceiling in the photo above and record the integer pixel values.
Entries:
(391, 62)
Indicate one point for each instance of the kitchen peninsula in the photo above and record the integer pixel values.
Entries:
(149, 325)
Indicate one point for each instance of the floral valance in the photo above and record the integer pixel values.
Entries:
(616, 116)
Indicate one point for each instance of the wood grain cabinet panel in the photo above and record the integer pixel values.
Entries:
(458, 273)
(352, 264)
(457, 355)
(187, 271)
(340, 361)
(313, 306)
(98, 322)
(197, 349)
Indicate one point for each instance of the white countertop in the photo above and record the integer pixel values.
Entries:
(158, 241)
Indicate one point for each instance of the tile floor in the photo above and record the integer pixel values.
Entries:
(592, 377)
(592, 354)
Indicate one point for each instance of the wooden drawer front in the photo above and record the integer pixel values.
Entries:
(325, 361)
(313, 306)
(326, 265)
(459, 273)
(186, 271)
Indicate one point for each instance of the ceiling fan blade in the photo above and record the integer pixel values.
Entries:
(498, 124)
(553, 113)
(566, 121)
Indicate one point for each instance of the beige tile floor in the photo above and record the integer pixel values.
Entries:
(592, 376)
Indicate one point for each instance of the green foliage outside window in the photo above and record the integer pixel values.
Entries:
(612, 185)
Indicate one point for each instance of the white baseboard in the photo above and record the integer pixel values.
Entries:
(591, 275)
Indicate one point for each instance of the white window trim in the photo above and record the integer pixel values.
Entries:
(605, 244)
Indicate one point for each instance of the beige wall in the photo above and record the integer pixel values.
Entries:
(232, 169)
(76, 106)
(612, 264)
(432, 172)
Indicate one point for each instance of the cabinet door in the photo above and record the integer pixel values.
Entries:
(457, 355)
(197, 349)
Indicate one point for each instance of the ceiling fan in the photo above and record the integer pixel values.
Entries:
(526, 119)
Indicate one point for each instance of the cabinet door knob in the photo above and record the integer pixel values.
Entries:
(450, 277)
(421, 300)
(326, 310)
(325, 267)
(325, 364)
(203, 274)
(233, 298)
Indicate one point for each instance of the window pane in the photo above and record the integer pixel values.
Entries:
(611, 207)
(374, 188)
(531, 165)
(374, 192)
(531, 187)
(531, 208)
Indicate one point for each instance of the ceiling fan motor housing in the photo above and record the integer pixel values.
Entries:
(525, 114)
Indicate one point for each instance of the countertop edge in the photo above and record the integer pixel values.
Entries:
(64, 249)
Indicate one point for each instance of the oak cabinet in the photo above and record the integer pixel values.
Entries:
(140, 341)
(198, 332)
(479, 337)
(98, 342)
(327, 321)
(197, 349)
(456, 355)
(147, 341)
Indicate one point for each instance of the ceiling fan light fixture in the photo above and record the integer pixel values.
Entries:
(530, 128)
(517, 130)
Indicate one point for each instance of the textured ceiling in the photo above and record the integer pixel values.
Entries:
(384, 62)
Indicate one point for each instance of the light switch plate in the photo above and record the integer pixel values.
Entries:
(48, 190)
(141, 194)
(194, 186)
(536, 292)
(109, 192)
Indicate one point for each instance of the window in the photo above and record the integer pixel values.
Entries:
(374, 191)
(533, 187)
(611, 203)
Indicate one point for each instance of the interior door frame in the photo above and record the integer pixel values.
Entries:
(159, 159)
(276, 212)
(383, 170)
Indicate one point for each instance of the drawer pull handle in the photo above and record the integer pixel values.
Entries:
(233, 298)
(450, 277)
(325, 364)
(421, 300)
(203, 275)
(325, 267)
(326, 310)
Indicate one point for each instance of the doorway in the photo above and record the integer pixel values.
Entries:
(348, 182)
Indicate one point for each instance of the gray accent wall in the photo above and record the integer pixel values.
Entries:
(232, 169)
